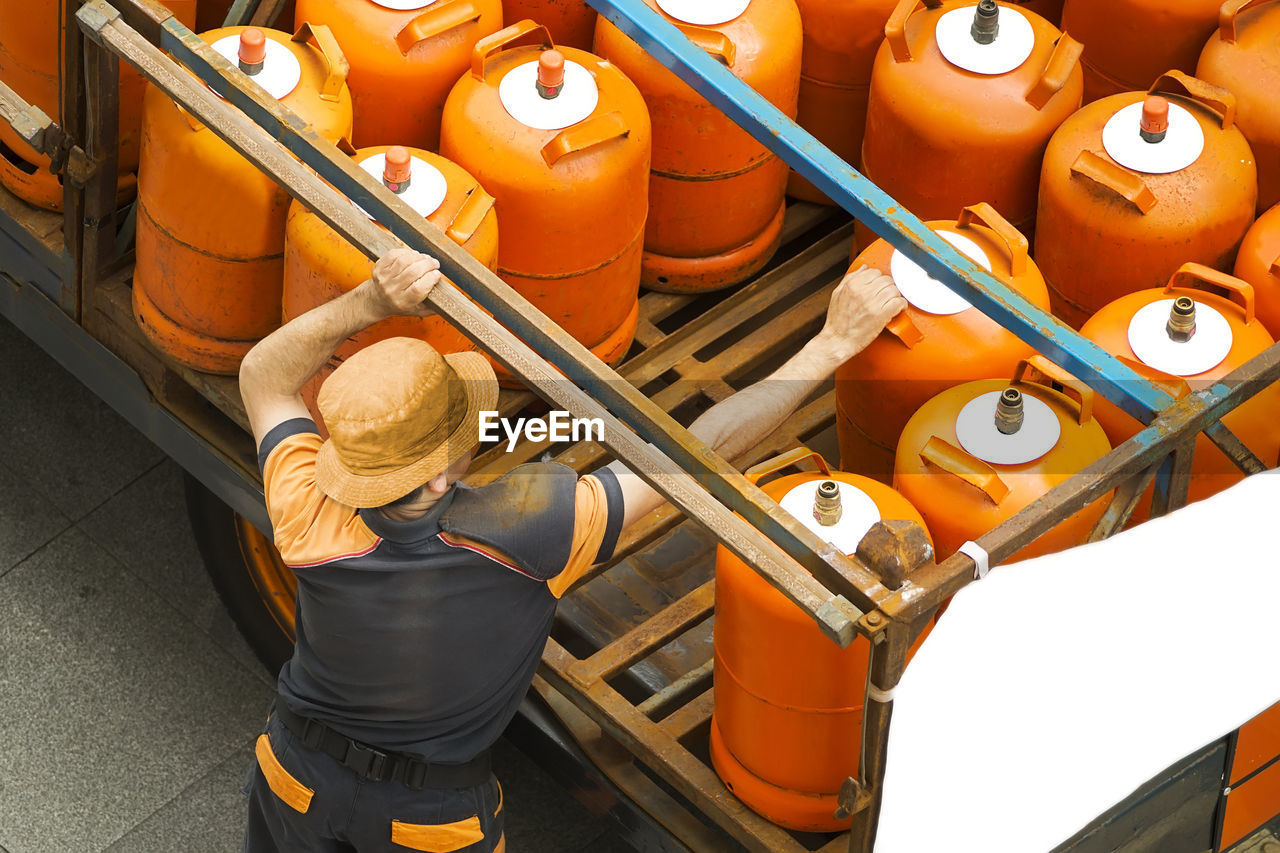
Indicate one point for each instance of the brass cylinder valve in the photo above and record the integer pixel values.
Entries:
(826, 504)
(986, 22)
(1182, 319)
(1009, 411)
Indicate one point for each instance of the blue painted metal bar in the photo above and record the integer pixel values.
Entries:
(875, 209)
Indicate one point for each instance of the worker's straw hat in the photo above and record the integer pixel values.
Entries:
(398, 413)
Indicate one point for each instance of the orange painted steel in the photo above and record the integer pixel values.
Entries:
(1254, 422)
(1259, 264)
(572, 23)
(788, 701)
(31, 36)
(1243, 56)
(939, 137)
(840, 41)
(961, 496)
(921, 354)
(1050, 10)
(1104, 230)
(403, 63)
(210, 251)
(319, 265)
(571, 202)
(716, 195)
(1128, 43)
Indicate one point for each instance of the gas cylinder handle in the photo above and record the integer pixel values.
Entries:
(1047, 370)
(470, 214)
(1227, 17)
(1117, 179)
(945, 455)
(785, 460)
(331, 89)
(1216, 98)
(502, 38)
(1015, 244)
(904, 329)
(1057, 71)
(895, 29)
(1192, 276)
(593, 131)
(1275, 266)
(438, 18)
(712, 41)
(1175, 386)
(194, 123)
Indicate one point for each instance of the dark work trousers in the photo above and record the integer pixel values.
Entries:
(304, 801)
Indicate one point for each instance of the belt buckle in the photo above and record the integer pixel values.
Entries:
(366, 762)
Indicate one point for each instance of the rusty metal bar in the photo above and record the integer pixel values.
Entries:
(1230, 444)
(857, 587)
(888, 662)
(1122, 504)
(681, 690)
(1171, 487)
(687, 719)
(937, 582)
(653, 633)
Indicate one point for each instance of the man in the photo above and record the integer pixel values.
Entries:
(424, 606)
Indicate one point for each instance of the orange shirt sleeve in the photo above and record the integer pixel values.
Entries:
(310, 527)
(590, 519)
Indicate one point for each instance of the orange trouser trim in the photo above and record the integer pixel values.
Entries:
(294, 794)
(437, 838)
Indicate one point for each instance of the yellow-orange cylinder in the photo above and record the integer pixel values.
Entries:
(210, 251)
(1259, 264)
(1104, 230)
(922, 352)
(572, 23)
(31, 36)
(320, 266)
(1128, 43)
(940, 137)
(784, 735)
(403, 61)
(962, 496)
(716, 195)
(1255, 422)
(571, 201)
(1243, 57)
(840, 41)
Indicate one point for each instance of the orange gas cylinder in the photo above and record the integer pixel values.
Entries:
(976, 454)
(319, 265)
(940, 340)
(1243, 56)
(405, 56)
(788, 709)
(562, 140)
(30, 45)
(572, 23)
(1134, 186)
(840, 41)
(1127, 43)
(974, 109)
(210, 225)
(1185, 338)
(1259, 264)
(1050, 10)
(716, 195)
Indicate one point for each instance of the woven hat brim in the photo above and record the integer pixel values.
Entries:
(354, 489)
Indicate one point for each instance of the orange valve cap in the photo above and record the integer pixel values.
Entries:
(1155, 118)
(397, 169)
(253, 50)
(550, 73)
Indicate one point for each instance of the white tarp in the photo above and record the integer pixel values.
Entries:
(1052, 689)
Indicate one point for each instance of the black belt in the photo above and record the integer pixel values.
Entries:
(377, 765)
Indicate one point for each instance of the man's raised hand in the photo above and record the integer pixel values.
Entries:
(402, 278)
(864, 301)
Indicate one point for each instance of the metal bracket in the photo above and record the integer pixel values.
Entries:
(841, 619)
(44, 135)
(852, 799)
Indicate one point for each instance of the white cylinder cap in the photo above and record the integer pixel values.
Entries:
(427, 185)
(926, 293)
(858, 513)
(577, 99)
(1181, 146)
(704, 13)
(978, 435)
(280, 72)
(1009, 49)
(1150, 341)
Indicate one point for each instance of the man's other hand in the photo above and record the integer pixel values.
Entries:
(401, 279)
(861, 305)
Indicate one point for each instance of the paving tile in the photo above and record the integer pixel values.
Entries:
(27, 519)
(110, 703)
(145, 527)
(541, 816)
(208, 816)
(58, 435)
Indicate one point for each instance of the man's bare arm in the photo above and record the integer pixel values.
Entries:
(860, 307)
(274, 371)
